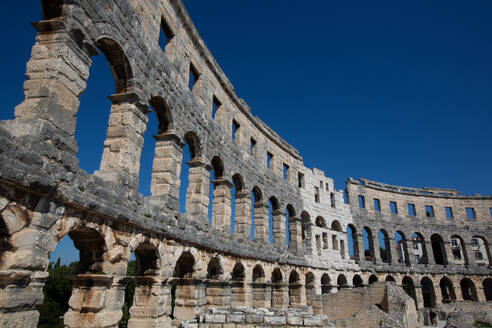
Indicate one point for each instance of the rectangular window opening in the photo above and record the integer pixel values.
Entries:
(300, 180)
(470, 213)
(215, 106)
(362, 201)
(449, 212)
(377, 205)
(393, 208)
(235, 129)
(411, 210)
(193, 77)
(252, 147)
(316, 194)
(269, 160)
(166, 34)
(286, 171)
(327, 187)
(332, 199)
(429, 211)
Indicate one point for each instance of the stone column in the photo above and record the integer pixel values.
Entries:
(418, 295)
(279, 228)
(261, 295)
(430, 253)
(295, 233)
(447, 251)
(261, 222)
(151, 303)
(166, 170)
(280, 295)
(96, 301)
(470, 254)
(221, 206)
(124, 140)
(197, 199)
(376, 254)
(190, 298)
(56, 76)
(359, 253)
(239, 295)
(218, 294)
(392, 252)
(411, 256)
(295, 293)
(242, 215)
(21, 294)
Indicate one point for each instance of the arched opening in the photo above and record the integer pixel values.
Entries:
(341, 281)
(217, 194)
(390, 278)
(401, 248)
(274, 221)
(368, 244)
(438, 249)
(183, 294)
(259, 288)
(468, 290)
(277, 289)
(458, 250)
(357, 281)
(447, 290)
(306, 232)
(372, 279)
(257, 215)
(336, 226)
(487, 289)
(419, 249)
(290, 214)
(384, 246)
(192, 186)
(309, 287)
(138, 292)
(409, 287)
(51, 9)
(214, 292)
(325, 284)
(237, 214)
(480, 249)
(352, 242)
(238, 293)
(320, 222)
(428, 292)
(294, 289)
(4, 238)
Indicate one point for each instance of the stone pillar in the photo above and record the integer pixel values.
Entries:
(96, 301)
(197, 199)
(166, 170)
(261, 295)
(280, 295)
(218, 294)
(359, 253)
(419, 296)
(295, 294)
(392, 252)
(261, 222)
(151, 303)
(429, 252)
(221, 206)
(447, 251)
(470, 254)
(56, 76)
(242, 215)
(124, 140)
(190, 298)
(238, 294)
(295, 233)
(376, 254)
(278, 223)
(21, 294)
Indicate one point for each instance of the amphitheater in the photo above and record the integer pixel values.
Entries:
(435, 243)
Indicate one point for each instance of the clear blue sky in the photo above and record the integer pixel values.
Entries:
(395, 91)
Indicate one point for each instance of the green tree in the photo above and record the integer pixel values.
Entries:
(131, 271)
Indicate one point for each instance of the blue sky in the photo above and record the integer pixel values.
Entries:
(394, 91)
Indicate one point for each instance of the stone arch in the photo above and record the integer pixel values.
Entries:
(438, 249)
(291, 227)
(447, 290)
(259, 220)
(91, 246)
(320, 222)
(384, 252)
(372, 279)
(148, 260)
(277, 288)
(325, 284)
(294, 289)
(352, 242)
(428, 292)
(118, 63)
(238, 292)
(260, 299)
(487, 289)
(238, 182)
(458, 250)
(51, 8)
(194, 145)
(214, 269)
(163, 114)
(185, 266)
(368, 240)
(218, 167)
(419, 248)
(309, 286)
(305, 225)
(409, 287)
(4, 238)
(341, 281)
(357, 281)
(483, 248)
(390, 278)
(183, 293)
(276, 222)
(214, 291)
(291, 211)
(336, 226)
(468, 290)
(401, 248)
